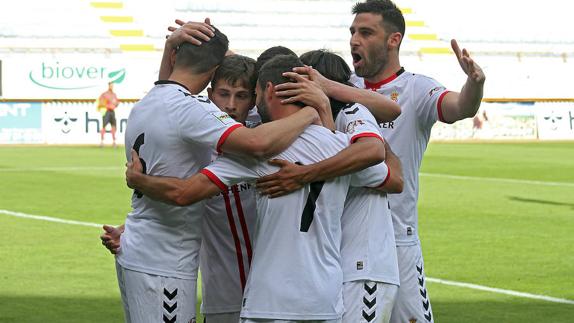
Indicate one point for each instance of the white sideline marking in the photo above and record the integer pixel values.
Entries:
(430, 279)
(501, 291)
(56, 169)
(495, 179)
(50, 219)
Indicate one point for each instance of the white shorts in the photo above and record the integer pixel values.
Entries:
(153, 299)
(288, 321)
(232, 317)
(368, 301)
(413, 301)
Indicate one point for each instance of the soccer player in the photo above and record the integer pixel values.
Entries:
(174, 132)
(229, 221)
(296, 274)
(368, 253)
(376, 35)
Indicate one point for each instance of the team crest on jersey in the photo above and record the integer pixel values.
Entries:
(436, 89)
(352, 125)
(223, 117)
(395, 96)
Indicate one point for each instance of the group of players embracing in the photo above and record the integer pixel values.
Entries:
(293, 186)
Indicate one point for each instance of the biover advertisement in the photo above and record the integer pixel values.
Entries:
(78, 76)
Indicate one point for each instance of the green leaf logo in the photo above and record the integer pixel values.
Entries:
(117, 76)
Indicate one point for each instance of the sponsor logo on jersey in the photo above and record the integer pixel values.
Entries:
(353, 124)
(223, 117)
(436, 89)
(395, 96)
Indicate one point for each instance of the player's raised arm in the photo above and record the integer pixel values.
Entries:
(170, 190)
(383, 108)
(191, 32)
(271, 138)
(458, 106)
(365, 152)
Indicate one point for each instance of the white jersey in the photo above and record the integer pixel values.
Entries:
(174, 133)
(368, 247)
(296, 272)
(420, 98)
(227, 248)
(227, 245)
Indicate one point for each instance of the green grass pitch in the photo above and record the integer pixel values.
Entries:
(511, 230)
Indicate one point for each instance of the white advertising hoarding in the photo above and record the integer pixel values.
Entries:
(77, 76)
(555, 121)
(80, 123)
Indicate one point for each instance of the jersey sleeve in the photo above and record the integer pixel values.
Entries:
(202, 122)
(228, 170)
(357, 122)
(429, 100)
(373, 176)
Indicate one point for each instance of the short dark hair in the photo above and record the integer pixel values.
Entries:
(237, 70)
(200, 59)
(271, 52)
(393, 20)
(273, 70)
(331, 66)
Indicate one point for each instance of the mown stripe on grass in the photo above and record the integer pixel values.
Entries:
(496, 179)
(501, 291)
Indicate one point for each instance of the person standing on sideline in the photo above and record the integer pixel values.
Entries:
(107, 104)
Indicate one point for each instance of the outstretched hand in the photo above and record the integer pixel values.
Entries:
(111, 238)
(133, 169)
(468, 65)
(191, 32)
(289, 178)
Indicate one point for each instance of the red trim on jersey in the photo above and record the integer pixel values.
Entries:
(212, 177)
(387, 178)
(439, 107)
(225, 135)
(366, 134)
(376, 86)
(243, 223)
(233, 229)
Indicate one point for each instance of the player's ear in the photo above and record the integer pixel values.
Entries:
(269, 90)
(394, 40)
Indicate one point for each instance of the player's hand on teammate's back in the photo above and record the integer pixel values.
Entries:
(191, 32)
(111, 238)
(289, 178)
(134, 170)
(468, 65)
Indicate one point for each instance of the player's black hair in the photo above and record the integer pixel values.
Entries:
(331, 66)
(271, 52)
(393, 20)
(200, 59)
(272, 71)
(237, 70)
